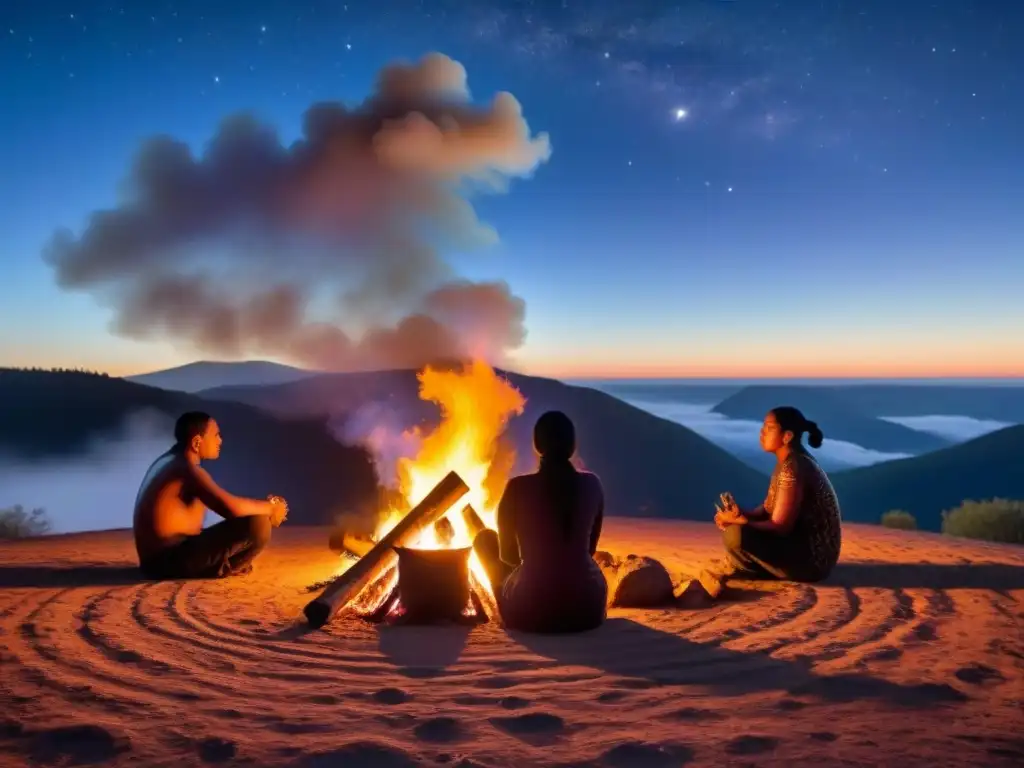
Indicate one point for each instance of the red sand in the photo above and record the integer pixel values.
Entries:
(912, 654)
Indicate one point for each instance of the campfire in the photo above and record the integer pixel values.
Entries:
(419, 565)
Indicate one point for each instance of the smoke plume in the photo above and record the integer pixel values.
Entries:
(326, 252)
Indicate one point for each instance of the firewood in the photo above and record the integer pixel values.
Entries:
(350, 543)
(350, 583)
(473, 522)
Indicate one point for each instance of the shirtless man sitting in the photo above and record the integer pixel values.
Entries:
(172, 501)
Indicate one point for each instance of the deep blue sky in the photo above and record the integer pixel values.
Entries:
(844, 195)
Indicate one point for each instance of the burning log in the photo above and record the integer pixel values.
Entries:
(356, 544)
(473, 522)
(339, 592)
(445, 531)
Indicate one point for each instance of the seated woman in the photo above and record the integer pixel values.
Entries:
(541, 560)
(796, 533)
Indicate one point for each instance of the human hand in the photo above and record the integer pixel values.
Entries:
(278, 510)
(728, 512)
(727, 505)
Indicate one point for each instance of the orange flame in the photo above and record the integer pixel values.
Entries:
(476, 404)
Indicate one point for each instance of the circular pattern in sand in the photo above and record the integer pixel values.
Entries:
(913, 650)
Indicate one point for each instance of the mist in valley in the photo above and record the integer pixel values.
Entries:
(94, 490)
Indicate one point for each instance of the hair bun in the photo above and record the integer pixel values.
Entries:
(814, 434)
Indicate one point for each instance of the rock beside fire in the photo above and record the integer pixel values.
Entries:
(635, 581)
(698, 593)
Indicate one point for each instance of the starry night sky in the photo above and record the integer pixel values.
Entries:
(734, 188)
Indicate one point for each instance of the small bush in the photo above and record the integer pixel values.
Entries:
(899, 518)
(17, 523)
(1000, 520)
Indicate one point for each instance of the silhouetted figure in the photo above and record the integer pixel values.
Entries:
(541, 560)
(796, 533)
(172, 501)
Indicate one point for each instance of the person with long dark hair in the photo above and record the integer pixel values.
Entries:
(541, 559)
(796, 534)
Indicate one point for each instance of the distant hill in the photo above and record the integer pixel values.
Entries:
(207, 374)
(649, 466)
(47, 415)
(983, 468)
(838, 417)
(1003, 403)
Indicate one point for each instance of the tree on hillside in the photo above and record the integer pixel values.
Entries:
(1000, 520)
(899, 518)
(18, 523)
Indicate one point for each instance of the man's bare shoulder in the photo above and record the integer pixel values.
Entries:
(169, 468)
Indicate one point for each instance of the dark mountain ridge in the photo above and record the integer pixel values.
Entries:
(59, 415)
(648, 465)
(204, 374)
(987, 467)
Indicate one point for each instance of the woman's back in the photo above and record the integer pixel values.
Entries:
(819, 523)
(557, 583)
(548, 535)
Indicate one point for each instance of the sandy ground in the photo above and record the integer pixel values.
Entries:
(912, 654)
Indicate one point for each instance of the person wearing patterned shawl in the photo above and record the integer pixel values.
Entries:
(796, 534)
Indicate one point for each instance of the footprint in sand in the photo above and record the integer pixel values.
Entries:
(216, 750)
(420, 673)
(362, 754)
(751, 745)
(228, 714)
(441, 730)
(978, 674)
(635, 754)
(391, 696)
(514, 702)
(790, 705)
(887, 653)
(693, 715)
(926, 631)
(534, 727)
(826, 736)
(610, 697)
(78, 744)
(322, 698)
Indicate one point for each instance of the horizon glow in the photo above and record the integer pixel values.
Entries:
(759, 219)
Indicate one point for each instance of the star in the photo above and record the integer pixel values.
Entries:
(729, 189)
(680, 114)
(263, 28)
(216, 78)
(348, 46)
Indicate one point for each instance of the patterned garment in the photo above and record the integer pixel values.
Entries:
(818, 529)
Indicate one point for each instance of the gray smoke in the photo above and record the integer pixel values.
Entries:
(326, 252)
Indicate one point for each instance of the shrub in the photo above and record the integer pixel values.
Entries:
(17, 523)
(899, 518)
(999, 520)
